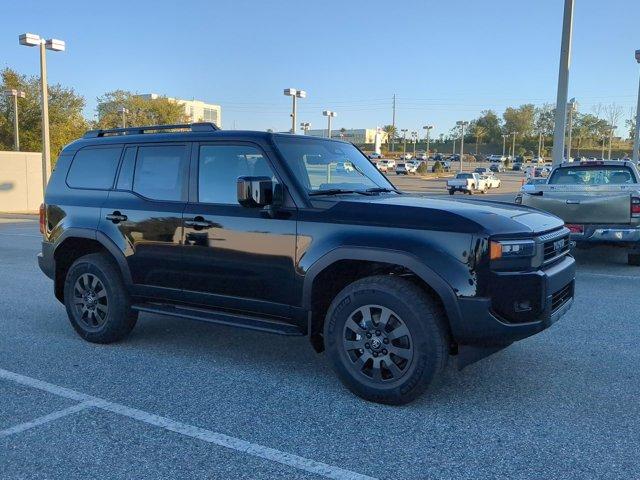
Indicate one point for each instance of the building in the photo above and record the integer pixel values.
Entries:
(196, 110)
(359, 136)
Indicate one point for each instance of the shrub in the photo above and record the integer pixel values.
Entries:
(422, 169)
(437, 167)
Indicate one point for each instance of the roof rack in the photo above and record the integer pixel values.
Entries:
(194, 127)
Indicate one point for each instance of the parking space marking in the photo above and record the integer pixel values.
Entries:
(301, 463)
(46, 419)
(608, 275)
(20, 235)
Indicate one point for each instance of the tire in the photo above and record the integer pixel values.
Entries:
(451, 192)
(633, 259)
(422, 352)
(99, 279)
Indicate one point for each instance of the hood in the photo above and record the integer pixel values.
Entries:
(432, 213)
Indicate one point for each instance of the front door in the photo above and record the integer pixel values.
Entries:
(236, 257)
(143, 215)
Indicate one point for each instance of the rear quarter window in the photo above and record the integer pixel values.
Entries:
(94, 168)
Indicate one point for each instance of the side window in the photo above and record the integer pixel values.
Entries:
(125, 177)
(221, 165)
(161, 172)
(94, 168)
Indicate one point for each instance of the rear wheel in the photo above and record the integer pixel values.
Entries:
(633, 259)
(451, 192)
(97, 302)
(386, 339)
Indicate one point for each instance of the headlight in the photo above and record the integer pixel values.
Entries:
(512, 249)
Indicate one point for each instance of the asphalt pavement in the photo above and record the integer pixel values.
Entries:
(186, 400)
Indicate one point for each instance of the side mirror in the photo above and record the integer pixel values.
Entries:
(255, 192)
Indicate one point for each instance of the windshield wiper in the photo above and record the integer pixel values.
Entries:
(339, 191)
(381, 190)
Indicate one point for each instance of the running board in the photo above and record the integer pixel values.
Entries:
(221, 318)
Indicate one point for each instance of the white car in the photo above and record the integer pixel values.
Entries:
(496, 158)
(422, 156)
(406, 156)
(491, 180)
(375, 156)
(537, 160)
(382, 167)
(406, 168)
(345, 167)
(390, 163)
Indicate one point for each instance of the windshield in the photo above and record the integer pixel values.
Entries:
(319, 165)
(593, 175)
(464, 175)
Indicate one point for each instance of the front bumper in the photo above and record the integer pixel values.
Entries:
(550, 292)
(46, 261)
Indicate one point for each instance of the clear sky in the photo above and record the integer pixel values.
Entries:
(445, 60)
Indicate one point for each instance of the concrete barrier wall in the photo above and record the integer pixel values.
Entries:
(20, 182)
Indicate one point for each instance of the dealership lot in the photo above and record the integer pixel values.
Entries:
(191, 400)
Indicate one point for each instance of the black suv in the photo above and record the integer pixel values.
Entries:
(262, 231)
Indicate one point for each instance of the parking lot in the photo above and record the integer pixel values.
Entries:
(191, 400)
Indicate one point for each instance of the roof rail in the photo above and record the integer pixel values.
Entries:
(194, 127)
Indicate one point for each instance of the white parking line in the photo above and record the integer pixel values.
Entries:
(607, 275)
(45, 419)
(220, 439)
(20, 235)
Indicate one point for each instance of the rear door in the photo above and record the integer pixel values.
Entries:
(143, 215)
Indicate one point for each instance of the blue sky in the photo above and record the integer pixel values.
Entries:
(446, 61)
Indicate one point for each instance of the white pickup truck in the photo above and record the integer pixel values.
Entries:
(599, 202)
(467, 183)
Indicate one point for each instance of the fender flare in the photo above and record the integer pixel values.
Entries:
(394, 257)
(102, 239)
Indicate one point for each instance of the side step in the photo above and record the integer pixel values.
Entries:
(222, 318)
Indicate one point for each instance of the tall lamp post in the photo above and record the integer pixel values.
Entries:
(563, 84)
(636, 139)
(572, 107)
(329, 114)
(414, 139)
(612, 129)
(124, 111)
(294, 93)
(404, 140)
(428, 129)
(513, 146)
(305, 126)
(504, 143)
(33, 40)
(16, 130)
(461, 124)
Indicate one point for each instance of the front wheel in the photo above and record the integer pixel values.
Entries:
(385, 338)
(451, 192)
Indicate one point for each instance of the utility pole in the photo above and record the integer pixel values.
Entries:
(462, 124)
(393, 124)
(16, 129)
(572, 108)
(504, 144)
(124, 111)
(636, 139)
(414, 139)
(404, 140)
(613, 129)
(513, 146)
(563, 83)
(540, 144)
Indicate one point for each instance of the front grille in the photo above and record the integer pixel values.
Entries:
(558, 247)
(561, 297)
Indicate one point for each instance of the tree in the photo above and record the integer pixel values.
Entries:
(390, 131)
(631, 125)
(66, 122)
(520, 119)
(479, 131)
(142, 110)
(490, 122)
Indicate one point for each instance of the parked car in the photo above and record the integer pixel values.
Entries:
(467, 183)
(598, 201)
(382, 167)
(491, 180)
(497, 167)
(344, 167)
(375, 156)
(389, 162)
(405, 156)
(406, 168)
(422, 156)
(481, 170)
(251, 229)
(537, 160)
(496, 158)
(516, 167)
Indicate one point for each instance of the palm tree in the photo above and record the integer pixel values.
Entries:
(391, 132)
(479, 132)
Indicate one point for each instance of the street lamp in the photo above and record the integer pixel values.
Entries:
(33, 40)
(461, 124)
(572, 107)
(414, 139)
(613, 129)
(16, 132)
(124, 111)
(404, 140)
(636, 139)
(428, 129)
(563, 84)
(305, 127)
(294, 94)
(504, 143)
(329, 114)
(513, 146)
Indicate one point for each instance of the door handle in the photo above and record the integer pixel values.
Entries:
(116, 217)
(198, 223)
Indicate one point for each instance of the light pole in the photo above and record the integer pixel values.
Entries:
(462, 124)
(613, 129)
(636, 139)
(294, 93)
(404, 140)
(33, 40)
(428, 129)
(563, 84)
(414, 139)
(329, 114)
(513, 146)
(305, 126)
(124, 111)
(604, 141)
(573, 106)
(16, 131)
(504, 143)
